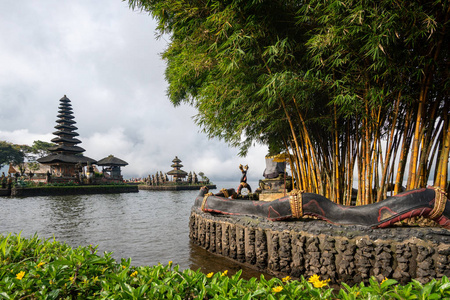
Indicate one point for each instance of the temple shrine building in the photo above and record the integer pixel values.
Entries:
(176, 172)
(66, 158)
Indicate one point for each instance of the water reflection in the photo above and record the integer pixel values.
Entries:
(150, 227)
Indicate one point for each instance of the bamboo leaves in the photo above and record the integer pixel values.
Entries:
(356, 90)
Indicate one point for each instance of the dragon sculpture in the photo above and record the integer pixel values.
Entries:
(430, 202)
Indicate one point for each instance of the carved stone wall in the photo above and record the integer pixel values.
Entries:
(348, 254)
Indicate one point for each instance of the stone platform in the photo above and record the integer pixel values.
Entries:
(72, 190)
(349, 254)
(173, 187)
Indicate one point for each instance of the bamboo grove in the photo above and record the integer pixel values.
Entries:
(356, 91)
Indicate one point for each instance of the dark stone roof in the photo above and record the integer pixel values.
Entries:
(73, 149)
(111, 161)
(62, 126)
(64, 99)
(60, 139)
(65, 121)
(61, 132)
(65, 115)
(66, 158)
(177, 172)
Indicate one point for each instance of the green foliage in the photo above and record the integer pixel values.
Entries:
(40, 148)
(323, 80)
(10, 153)
(46, 269)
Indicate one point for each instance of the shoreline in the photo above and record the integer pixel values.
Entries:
(68, 190)
(175, 187)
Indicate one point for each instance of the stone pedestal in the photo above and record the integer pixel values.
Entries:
(274, 188)
(349, 254)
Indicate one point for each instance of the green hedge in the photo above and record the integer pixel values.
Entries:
(46, 269)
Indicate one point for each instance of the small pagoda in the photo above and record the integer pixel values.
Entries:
(112, 164)
(177, 173)
(66, 158)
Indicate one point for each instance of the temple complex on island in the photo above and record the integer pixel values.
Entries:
(161, 182)
(66, 158)
(176, 172)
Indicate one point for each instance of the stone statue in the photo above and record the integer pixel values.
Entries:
(243, 183)
(195, 178)
(3, 180)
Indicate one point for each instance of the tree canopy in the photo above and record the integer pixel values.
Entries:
(353, 89)
(17, 154)
(10, 153)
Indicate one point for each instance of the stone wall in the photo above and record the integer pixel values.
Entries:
(348, 254)
(174, 187)
(72, 190)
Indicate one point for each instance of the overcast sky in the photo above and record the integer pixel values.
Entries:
(106, 59)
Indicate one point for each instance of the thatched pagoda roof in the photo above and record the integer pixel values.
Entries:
(111, 160)
(64, 158)
(177, 172)
(63, 148)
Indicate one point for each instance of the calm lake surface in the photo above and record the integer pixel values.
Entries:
(150, 227)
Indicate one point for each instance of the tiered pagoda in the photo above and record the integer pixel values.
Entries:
(177, 173)
(66, 157)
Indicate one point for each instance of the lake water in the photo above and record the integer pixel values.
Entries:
(150, 227)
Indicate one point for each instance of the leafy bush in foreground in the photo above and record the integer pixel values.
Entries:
(45, 269)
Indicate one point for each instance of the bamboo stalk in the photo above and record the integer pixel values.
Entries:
(315, 162)
(407, 129)
(444, 155)
(294, 136)
(390, 145)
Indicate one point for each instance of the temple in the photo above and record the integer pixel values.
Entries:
(66, 158)
(112, 164)
(177, 173)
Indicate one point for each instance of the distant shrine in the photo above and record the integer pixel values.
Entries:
(66, 158)
(112, 164)
(176, 172)
(161, 182)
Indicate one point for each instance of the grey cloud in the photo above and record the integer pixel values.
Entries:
(105, 58)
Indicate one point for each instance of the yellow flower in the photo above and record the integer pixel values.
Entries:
(320, 283)
(20, 275)
(123, 267)
(287, 278)
(40, 264)
(314, 278)
(224, 273)
(277, 289)
(170, 262)
(70, 278)
(134, 273)
(385, 278)
(51, 281)
(210, 275)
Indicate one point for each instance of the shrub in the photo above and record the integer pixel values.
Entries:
(46, 269)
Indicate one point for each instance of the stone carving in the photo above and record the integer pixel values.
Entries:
(429, 202)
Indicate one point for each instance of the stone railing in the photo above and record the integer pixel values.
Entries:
(349, 254)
